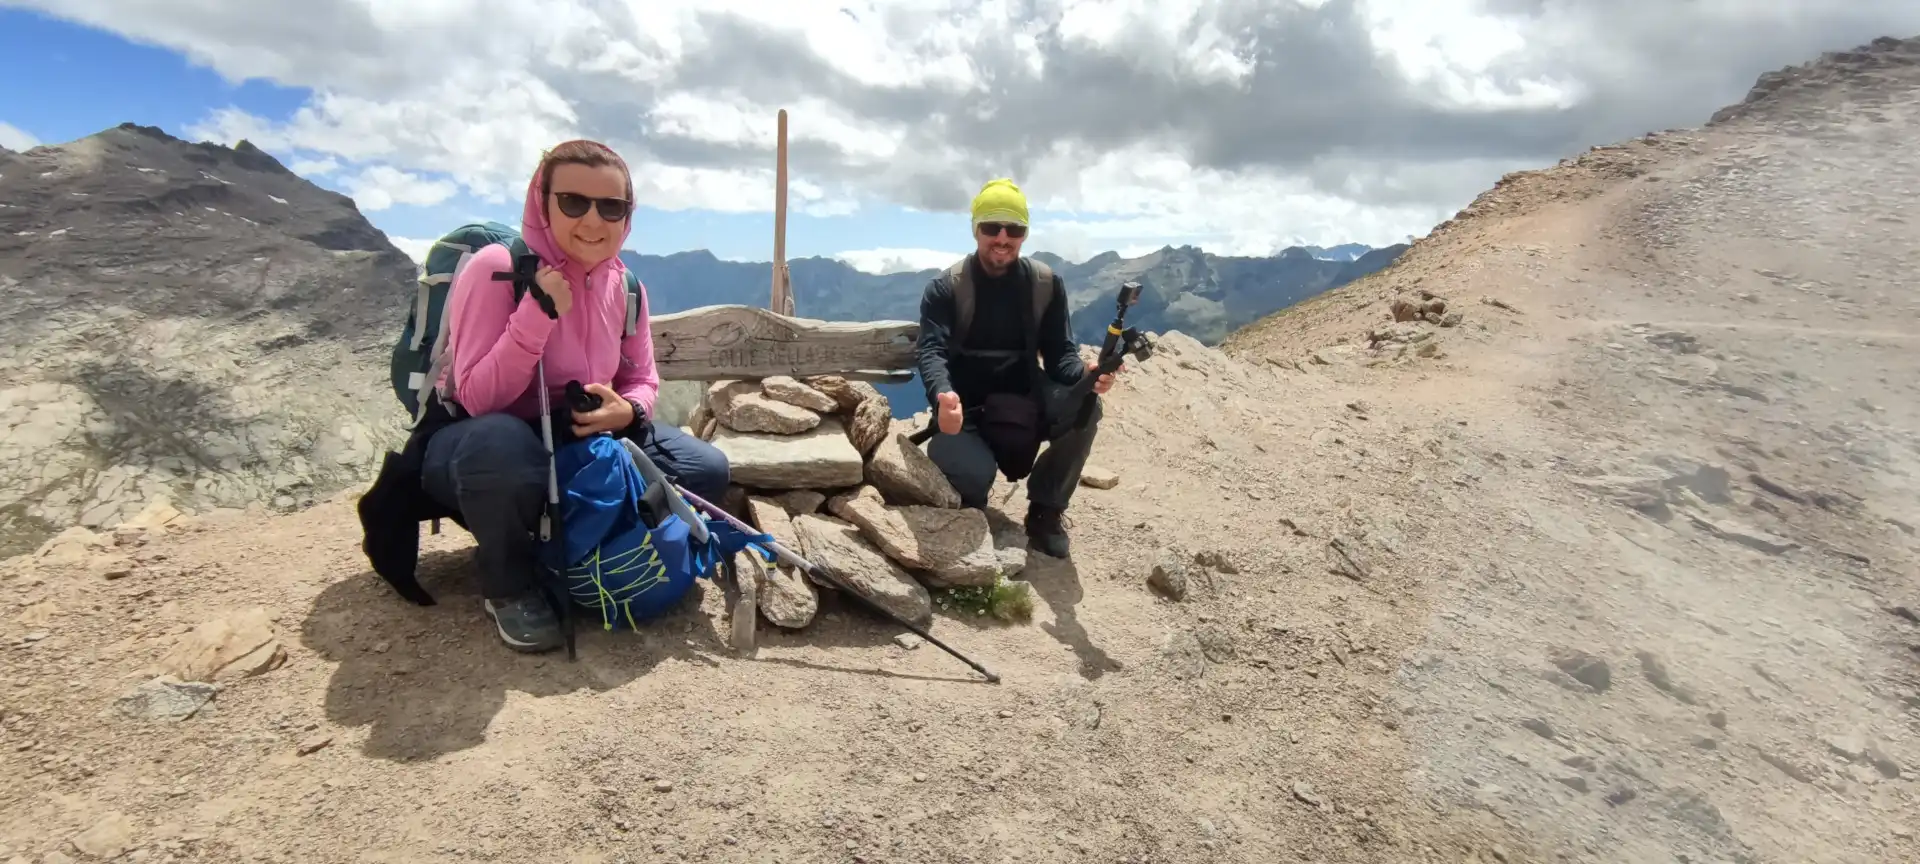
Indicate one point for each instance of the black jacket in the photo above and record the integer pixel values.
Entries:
(999, 315)
(393, 508)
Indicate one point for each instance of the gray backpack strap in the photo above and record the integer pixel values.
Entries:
(1042, 289)
(442, 353)
(633, 306)
(962, 303)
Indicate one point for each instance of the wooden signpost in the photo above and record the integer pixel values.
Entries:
(732, 343)
(782, 280)
(742, 343)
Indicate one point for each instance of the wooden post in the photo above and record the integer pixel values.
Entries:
(782, 286)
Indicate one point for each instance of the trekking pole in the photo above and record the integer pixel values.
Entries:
(1121, 341)
(825, 577)
(551, 526)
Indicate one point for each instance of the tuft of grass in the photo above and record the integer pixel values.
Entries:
(1004, 600)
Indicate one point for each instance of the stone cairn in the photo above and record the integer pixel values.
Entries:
(821, 465)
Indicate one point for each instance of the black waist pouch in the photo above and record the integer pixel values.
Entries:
(1010, 423)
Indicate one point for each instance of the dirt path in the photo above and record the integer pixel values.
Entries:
(1718, 514)
(1761, 327)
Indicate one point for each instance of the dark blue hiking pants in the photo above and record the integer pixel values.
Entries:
(493, 469)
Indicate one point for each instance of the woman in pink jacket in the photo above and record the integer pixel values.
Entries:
(491, 465)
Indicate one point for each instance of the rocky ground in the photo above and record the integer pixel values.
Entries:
(1617, 565)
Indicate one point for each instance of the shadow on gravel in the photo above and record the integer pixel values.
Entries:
(841, 623)
(1057, 583)
(429, 680)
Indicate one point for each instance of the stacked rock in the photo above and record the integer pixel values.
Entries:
(821, 465)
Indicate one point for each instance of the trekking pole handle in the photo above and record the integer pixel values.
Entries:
(933, 426)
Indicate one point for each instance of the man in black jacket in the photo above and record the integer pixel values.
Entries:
(995, 333)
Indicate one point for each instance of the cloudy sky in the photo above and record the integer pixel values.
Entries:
(1242, 126)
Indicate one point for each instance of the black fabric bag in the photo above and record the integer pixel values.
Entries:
(1010, 423)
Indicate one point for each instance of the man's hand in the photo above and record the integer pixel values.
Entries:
(555, 284)
(949, 412)
(613, 415)
(1105, 382)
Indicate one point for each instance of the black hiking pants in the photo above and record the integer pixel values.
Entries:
(493, 469)
(971, 465)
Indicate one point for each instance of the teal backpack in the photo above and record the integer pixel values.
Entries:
(422, 352)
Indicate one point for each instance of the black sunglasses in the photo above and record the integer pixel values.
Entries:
(993, 229)
(575, 205)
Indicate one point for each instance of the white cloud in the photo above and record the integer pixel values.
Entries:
(383, 186)
(1140, 200)
(314, 167)
(1455, 55)
(415, 247)
(16, 139)
(1238, 125)
(883, 261)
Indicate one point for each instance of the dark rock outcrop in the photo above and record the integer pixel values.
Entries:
(184, 320)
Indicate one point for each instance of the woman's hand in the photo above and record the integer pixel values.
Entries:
(613, 415)
(555, 284)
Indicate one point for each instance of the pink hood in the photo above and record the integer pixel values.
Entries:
(496, 342)
(538, 233)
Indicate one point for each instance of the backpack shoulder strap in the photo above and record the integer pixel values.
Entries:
(1039, 294)
(525, 262)
(1042, 290)
(962, 286)
(633, 305)
(517, 250)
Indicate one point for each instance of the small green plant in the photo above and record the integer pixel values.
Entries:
(1004, 600)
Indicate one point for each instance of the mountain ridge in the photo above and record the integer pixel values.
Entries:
(830, 288)
(1184, 288)
(1341, 253)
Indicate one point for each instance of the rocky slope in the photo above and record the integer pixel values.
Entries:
(183, 320)
(1187, 289)
(1621, 566)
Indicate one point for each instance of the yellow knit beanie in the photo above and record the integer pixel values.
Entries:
(1000, 201)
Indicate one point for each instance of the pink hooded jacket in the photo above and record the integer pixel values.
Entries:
(496, 343)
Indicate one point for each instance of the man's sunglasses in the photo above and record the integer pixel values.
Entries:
(575, 205)
(993, 229)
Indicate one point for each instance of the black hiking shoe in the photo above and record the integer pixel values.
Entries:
(526, 623)
(1045, 532)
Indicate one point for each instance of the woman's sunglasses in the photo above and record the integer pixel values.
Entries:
(574, 206)
(993, 229)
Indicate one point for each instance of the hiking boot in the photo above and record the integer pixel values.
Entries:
(1045, 532)
(526, 623)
